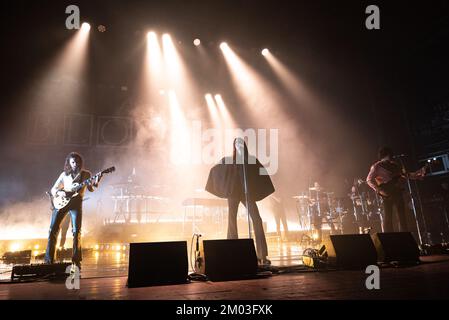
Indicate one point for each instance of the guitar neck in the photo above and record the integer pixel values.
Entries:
(85, 182)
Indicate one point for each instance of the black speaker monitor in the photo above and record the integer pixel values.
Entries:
(396, 246)
(157, 263)
(350, 251)
(229, 259)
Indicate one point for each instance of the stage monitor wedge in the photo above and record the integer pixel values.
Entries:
(396, 246)
(350, 251)
(231, 259)
(157, 263)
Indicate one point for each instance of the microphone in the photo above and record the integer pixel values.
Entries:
(198, 258)
(198, 242)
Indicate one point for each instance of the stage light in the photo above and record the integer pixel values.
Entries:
(180, 136)
(171, 59)
(153, 50)
(265, 52)
(96, 247)
(85, 27)
(210, 102)
(15, 247)
(36, 247)
(153, 61)
(224, 46)
(294, 86)
(166, 37)
(254, 90)
(213, 110)
(152, 71)
(151, 35)
(197, 42)
(176, 73)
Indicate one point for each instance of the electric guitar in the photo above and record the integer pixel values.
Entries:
(394, 186)
(61, 202)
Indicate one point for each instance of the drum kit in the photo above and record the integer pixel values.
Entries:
(358, 212)
(366, 206)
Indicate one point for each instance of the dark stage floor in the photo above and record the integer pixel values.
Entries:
(429, 280)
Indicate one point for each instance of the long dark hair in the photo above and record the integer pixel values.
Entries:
(234, 151)
(79, 160)
(384, 152)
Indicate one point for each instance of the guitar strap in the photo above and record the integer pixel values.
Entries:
(78, 175)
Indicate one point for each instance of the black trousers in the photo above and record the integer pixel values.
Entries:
(397, 201)
(75, 211)
(261, 242)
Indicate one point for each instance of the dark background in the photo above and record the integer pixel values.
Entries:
(383, 77)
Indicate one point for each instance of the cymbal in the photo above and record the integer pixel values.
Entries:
(316, 189)
(300, 197)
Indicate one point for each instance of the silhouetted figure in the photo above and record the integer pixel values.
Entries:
(277, 207)
(386, 177)
(230, 179)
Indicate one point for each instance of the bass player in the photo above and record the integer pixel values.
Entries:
(386, 177)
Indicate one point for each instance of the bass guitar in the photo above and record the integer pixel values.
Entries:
(395, 185)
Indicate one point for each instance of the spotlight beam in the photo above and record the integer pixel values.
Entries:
(254, 91)
(224, 112)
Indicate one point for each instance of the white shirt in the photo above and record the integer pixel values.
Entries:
(65, 182)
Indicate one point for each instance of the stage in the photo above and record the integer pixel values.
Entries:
(429, 280)
(104, 277)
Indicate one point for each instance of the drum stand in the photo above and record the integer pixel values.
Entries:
(379, 207)
(319, 218)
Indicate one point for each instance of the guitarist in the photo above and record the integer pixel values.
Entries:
(73, 172)
(386, 177)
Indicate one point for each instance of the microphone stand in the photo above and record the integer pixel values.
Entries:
(245, 186)
(409, 187)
